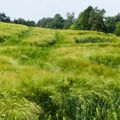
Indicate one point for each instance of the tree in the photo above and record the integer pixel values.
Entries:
(82, 21)
(45, 22)
(24, 22)
(4, 18)
(90, 19)
(110, 23)
(69, 21)
(57, 22)
(117, 17)
(96, 20)
(20, 21)
(30, 23)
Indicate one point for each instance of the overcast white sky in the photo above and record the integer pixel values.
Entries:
(36, 9)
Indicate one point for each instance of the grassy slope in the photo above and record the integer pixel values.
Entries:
(58, 74)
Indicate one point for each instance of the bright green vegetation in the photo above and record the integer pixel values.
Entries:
(58, 74)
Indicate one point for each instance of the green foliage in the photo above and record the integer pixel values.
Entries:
(91, 19)
(110, 24)
(69, 21)
(117, 30)
(4, 18)
(45, 22)
(24, 22)
(57, 22)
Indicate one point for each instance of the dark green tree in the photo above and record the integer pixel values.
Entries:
(96, 20)
(24, 22)
(117, 17)
(45, 22)
(90, 19)
(30, 23)
(82, 21)
(20, 21)
(69, 21)
(110, 23)
(4, 18)
(57, 22)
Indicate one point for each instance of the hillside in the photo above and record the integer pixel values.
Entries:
(58, 74)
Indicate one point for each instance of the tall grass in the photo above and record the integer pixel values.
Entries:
(49, 77)
(11, 33)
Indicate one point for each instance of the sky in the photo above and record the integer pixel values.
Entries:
(37, 9)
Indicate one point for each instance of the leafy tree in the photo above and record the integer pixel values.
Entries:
(24, 22)
(117, 17)
(90, 19)
(20, 21)
(30, 23)
(45, 22)
(4, 18)
(110, 24)
(69, 21)
(83, 20)
(57, 22)
(96, 20)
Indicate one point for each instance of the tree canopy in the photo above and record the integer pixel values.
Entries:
(90, 19)
(4, 18)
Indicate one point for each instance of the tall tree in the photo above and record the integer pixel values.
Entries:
(110, 23)
(24, 22)
(57, 22)
(69, 21)
(30, 23)
(45, 22)
(82, 21)
(90, 19)
(96, 20)
(117, 17)
(4, 18)
(20, 21)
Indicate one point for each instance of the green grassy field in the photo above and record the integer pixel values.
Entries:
(58, 74)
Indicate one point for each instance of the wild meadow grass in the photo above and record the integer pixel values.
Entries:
(11, 33)
(46, 75)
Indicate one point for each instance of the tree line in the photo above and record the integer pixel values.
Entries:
(89, 19)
